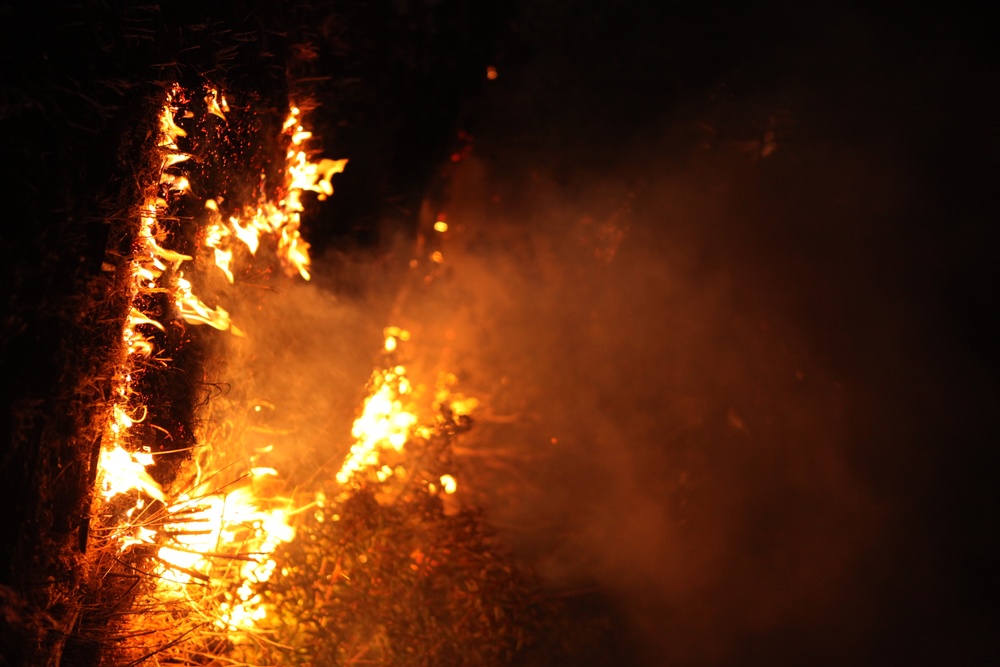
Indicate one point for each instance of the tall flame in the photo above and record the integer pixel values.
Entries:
(387, 419)
(281, 219)
(212, 545)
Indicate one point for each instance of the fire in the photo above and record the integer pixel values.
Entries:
(223, 539)
(169, 130)
(216, 103)
(125, 471)
(387, 420)
(193, 310)
(218, 540)
(281, 219)
(449, 484)
(447, 400)
(212, 542)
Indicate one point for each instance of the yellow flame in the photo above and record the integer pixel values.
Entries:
(135, 343)
(282, 219)
(459, 404)
(389, 419)
(170, 159)
(216, 103)
(193, 310)
(386, 422)
(249, 235)
(169, 131)
(135, 318)
(175, 182)
(202, 536)
(123, 471)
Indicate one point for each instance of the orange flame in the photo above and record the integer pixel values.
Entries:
(389, 419)
(193, 310)
(123, 471)
(282, 219)
(199, 535)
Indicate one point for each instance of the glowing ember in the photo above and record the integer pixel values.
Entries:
(449, 484)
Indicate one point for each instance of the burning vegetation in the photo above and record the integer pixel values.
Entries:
(201, 551)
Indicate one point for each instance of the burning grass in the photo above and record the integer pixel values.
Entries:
(218, 565)
(403, 583)
(390, 572)
(194, 551)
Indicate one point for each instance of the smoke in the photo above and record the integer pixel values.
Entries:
(712, 375)
(287, 392)
(653, 427)
(709, 351)
(684, 372)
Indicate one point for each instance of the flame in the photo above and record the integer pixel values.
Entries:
(280, 219)
(202, 536)
(213, 547)
(217, 237)
(449, 484)
(169, 131)
(123, 471)
(216, 103)
(456, 403)
(386, 422)
(193, 310)
(388, 418)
